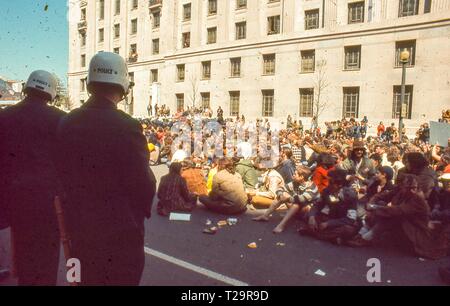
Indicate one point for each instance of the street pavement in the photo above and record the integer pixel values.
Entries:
(179, 254)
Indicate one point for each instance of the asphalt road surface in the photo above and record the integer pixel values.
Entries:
(179, 254)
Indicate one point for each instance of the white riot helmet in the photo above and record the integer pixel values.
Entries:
(42, 81)
(109, 68)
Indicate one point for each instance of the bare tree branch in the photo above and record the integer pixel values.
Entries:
(320, 85)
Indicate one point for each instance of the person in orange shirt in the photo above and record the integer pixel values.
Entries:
(326, 162)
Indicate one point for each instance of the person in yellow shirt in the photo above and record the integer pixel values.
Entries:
(211, 175)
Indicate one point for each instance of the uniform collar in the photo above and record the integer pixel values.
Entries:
(100, 102)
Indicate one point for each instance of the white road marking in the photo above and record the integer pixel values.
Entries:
(200, 270)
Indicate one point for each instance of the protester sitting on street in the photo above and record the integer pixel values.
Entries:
(441, 211)
(194, 177)
(407, 214)
(271, 182)
(300, 194)
(376, 160)
(380, 183)
(359, 166)
(334, 217)
(179, 155)
(228, 194)
(326, 162)
(286, 167)
(417, 165)
(173, 193)
(248, 172)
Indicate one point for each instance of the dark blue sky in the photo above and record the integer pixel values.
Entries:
(32, 38)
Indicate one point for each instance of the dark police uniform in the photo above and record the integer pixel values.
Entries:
(29, 184)
(109, 191)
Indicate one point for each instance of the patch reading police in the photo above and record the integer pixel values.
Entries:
(105, 70)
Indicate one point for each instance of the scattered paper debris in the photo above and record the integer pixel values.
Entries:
(389, 281)
(222, 223)
(259, 239)
(253, 245)
(208, 222)
(180, 217)
(210, 231)
(232, 221)
(320, 273)
(242, 256)
(422, 259)
(281, 244)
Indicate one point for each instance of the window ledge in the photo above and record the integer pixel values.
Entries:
(306, 72)
(234, 77)
(407, 66)
(351, 69)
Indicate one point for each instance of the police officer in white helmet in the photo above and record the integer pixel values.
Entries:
(108, 185)
(29, 180)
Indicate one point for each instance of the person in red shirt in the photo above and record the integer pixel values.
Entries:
(326, 162)
(380, 129)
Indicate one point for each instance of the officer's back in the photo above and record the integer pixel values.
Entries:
(29, 180)
(108, 185)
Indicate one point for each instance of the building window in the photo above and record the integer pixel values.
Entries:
(83, 60)
(83, 39)
(235, 64)
(134, 26)
(101, 9)
(234, 103)
(212, 35)
(82, 85)
(427, 7)
(133, 53)
(187, 12)
(268, 64)
(409, 45)
(408, 8)
(351, 102)
(306, 102)
(352, 58)
(134, 4)
(206, 70)
(180, 102)
(356, 12)
(241, 30)
(156, 20)
(155, 46)
(83, 15)
(154, 75)
(117, 7)
(117, 30)
(273, 25)
(101, 35)
(241, 4)
(308, 61)
(206, 98)
(186, 40)
(180, 73)
(311, 19)
(212, 7)
(397, 105)
(117, 50)
(268, 103)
